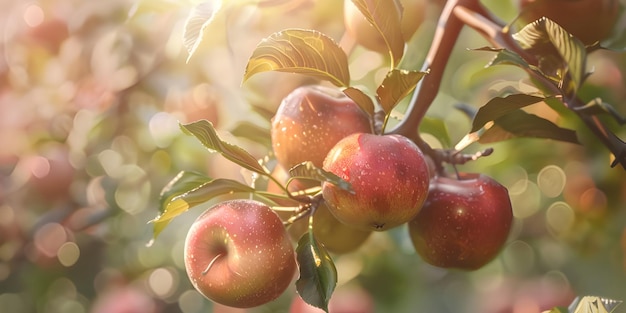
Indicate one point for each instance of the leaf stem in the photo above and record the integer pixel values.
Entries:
(208, 268)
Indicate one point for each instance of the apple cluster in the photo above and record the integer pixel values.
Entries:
(240, 252)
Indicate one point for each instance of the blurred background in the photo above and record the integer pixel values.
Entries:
(91, 94)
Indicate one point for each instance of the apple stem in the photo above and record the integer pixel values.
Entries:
(306, 209)
(206, 270)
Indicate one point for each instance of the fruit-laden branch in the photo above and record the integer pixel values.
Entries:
(455, 15)
(500, 37)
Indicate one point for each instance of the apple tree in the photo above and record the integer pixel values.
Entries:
(376, 155)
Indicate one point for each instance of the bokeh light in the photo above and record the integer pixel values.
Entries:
(33, 15)
(68, 254)
(551, 181)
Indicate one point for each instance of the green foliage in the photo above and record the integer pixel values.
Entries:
(252, 132)
(396, 86)
(188, 190)
(308, 170)
(363, 100)
(300, 51)
(386, 20)
(593, 304)
(204, 131)
(198, 20)
(498, 107)
(502, 118)
(436, 127)
(318, 275)
(543, 36)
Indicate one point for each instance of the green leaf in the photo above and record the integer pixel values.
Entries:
(318, 275)
(363, 100)
(499, 106)
(593, 304)
(558, 310)
(309, 171)
(186, 199)
(504, 56)
(396, 86)
(199, 18)
(597, 106)
(180, 184)
(301, 51)
(385, 17)
(264, 113)
(436, 127)
(521, 124)
(543, 36)
(252, 132)
(204, 131)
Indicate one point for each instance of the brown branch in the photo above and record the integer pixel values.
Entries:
(448, 29)
(455, 15)
(501, 38)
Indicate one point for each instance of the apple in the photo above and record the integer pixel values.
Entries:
(389, 177)
(464, 222)
(336, 236)
(237, 253)
(365, 34)
(311, 120)
(588, 20)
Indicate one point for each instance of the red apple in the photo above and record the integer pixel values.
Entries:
(588, 20)
(237, 253)
(389, 178)
(464, 223)
(311, 120)
(413, 14)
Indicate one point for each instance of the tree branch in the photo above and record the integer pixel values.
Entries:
(501, 38)
(455, 15)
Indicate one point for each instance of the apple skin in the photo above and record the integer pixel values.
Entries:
(389, 177)
(588, 20)
(311, 120)
(413, 15)
(464, 223)
(336, 236)
(257, 262)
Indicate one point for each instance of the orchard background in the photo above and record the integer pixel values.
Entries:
(91, 97)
